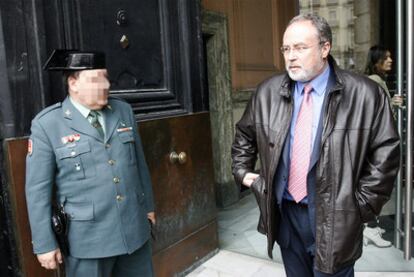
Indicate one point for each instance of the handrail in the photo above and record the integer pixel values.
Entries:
(409, 149)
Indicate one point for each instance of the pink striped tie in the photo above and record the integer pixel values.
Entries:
(301, 151)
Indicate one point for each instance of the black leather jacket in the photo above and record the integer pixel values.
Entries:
(359, 159)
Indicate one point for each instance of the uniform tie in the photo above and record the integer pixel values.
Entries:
(93, 119)
(301, 150)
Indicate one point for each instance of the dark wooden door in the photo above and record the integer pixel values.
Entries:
(154, 59)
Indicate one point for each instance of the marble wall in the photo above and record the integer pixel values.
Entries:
(214, 26)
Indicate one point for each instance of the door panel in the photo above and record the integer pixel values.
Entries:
(152, 47)
(184, 193)
(136, 57)
(16, 150)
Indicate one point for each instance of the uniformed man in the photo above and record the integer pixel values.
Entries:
(85, 153)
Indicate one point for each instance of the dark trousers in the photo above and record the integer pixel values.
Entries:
(298, 256)
(138, 263)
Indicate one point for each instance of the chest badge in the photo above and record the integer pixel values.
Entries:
(70, 138)
(124, 129)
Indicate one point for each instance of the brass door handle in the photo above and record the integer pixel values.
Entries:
(178, 158)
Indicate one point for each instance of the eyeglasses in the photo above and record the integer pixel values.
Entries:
(297, 48)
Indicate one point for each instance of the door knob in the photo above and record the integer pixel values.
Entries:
(178, 158)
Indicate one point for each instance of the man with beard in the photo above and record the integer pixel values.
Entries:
(85, 154)
(329, 153)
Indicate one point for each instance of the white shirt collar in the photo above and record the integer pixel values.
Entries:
(81, 108)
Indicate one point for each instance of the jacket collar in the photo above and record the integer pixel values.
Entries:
(287, 85)
(79, 123)
(112, 118)
(337, 73)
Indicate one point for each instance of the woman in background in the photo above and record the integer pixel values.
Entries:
(379, 63)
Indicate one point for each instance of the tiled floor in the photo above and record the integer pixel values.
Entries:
(227, 263)
(232, 264)
(243, 250)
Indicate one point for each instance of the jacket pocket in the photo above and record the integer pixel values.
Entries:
(74, 151)
(366, 214)
(75, 161)
(259, 190)
(79, 211)
(128, 140)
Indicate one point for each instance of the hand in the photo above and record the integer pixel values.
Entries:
(397, 100)
(249, 179)
(50, 259)
(151, 217)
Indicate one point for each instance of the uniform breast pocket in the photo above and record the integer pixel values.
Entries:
(75, 161)
(128, 141)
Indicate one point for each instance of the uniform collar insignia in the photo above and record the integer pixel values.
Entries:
(68, 113)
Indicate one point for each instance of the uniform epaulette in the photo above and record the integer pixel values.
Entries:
(116, 98)
(49, 109)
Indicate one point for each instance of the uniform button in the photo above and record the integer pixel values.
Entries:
(116, 180)
(119, 197)
(107, 145)
(73, 153)
(111, 162)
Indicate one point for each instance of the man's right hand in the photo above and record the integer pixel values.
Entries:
(249, 179)
(50, 259)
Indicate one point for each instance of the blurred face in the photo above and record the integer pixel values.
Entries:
(385, 65)
(90, 88)
(305, 56)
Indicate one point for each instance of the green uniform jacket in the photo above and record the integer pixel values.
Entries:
(104, 184)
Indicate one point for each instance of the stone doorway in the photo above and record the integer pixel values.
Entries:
(214, 28)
